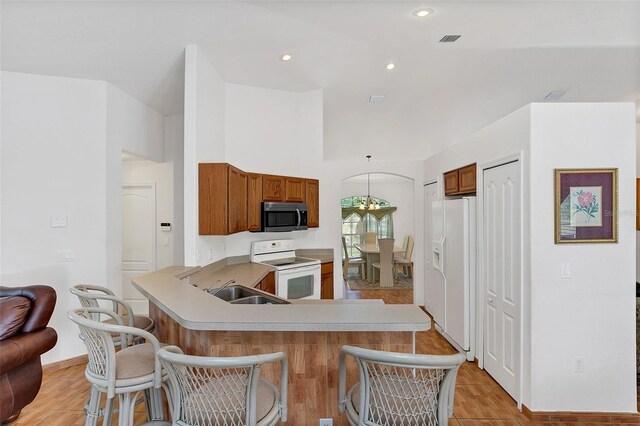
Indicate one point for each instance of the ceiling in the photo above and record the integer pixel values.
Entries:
(511, 53)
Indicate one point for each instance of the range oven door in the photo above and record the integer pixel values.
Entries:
(299, 283)
(279, 217)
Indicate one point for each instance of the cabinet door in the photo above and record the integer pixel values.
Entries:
(294, 189)
(326, 281)
(254, 201)
(269, 283)
(467, 179)
(212, 198)
(272, 188)
(313, 202)
(237, 200)
(451, 182)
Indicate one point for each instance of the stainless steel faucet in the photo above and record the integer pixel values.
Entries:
(212, 291)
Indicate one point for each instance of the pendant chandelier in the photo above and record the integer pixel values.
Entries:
(369, 204)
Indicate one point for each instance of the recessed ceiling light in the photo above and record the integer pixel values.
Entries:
(391, 66)
(286, 57)
(421, 13)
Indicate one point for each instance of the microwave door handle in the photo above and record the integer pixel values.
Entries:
(299, 218)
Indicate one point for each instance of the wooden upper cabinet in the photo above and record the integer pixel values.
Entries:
(273, 188)
(237, 200)
(254, 201)
(451, 182)
(294, 189)
(222, 199)
(467, 179)
(460, 181)
(313, 202)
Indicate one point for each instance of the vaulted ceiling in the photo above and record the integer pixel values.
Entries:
(511, 53)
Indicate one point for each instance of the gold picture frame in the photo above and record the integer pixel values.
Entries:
(586, 206)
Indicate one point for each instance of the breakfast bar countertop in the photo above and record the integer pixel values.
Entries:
(172, 291)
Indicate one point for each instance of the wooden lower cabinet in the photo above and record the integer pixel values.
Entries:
(326, 281)
(268, 283)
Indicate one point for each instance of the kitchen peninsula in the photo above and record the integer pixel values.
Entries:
(310, 332)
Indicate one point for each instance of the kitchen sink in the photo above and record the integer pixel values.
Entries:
(239, 294)
(260, 300)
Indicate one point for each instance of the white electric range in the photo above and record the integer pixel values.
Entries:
(296, 277)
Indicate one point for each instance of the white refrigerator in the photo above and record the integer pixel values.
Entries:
(454, 257)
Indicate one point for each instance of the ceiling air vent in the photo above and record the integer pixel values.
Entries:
(449, 38)
(376, 99)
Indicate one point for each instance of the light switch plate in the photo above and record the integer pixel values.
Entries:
(566, 270)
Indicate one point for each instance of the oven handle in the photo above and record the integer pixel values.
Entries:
(301, 269)
(299, 218)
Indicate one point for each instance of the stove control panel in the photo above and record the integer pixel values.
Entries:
(272, 246)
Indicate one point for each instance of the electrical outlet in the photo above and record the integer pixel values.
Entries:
(578, 364)
(326, 422)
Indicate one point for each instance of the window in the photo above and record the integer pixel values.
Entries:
(354, 225)
(351, 233)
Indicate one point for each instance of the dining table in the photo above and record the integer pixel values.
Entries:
(371, 254)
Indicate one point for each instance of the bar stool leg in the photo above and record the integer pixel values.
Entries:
(157, 410)
(125, 415)
(108, 412)
(93, 407)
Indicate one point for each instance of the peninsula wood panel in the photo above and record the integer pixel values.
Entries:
(254, 201)
(273, 188)
(312, 188)
(312, 356)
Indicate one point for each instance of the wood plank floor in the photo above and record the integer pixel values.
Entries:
(479, 400)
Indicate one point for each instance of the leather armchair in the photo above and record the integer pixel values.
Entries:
(20, 366)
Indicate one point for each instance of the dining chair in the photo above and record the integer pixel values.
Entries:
(370, 237)
(405, 259)
(398, 388)
(224, 391)
(385, 265)
(125, 373)
(351, 261)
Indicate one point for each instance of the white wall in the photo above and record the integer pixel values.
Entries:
(54, 142)
(637, 212)
(137, 172)
(174, 154)
(592, 315)
(271, 131)
(204, 141)
(135, 128)
(394, 189)
(62, 145)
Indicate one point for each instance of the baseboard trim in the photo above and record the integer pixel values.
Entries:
(65, 363)
(581, 417)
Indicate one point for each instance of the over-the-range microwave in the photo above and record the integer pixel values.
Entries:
(282, 217)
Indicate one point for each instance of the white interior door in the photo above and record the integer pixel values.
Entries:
(430, 195)
(138, 240)
(502, 278)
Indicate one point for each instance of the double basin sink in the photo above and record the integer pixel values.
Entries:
(241, 295)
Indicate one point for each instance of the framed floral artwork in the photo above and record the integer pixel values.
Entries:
(586, 204)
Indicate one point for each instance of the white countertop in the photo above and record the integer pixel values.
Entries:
(194, 309)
